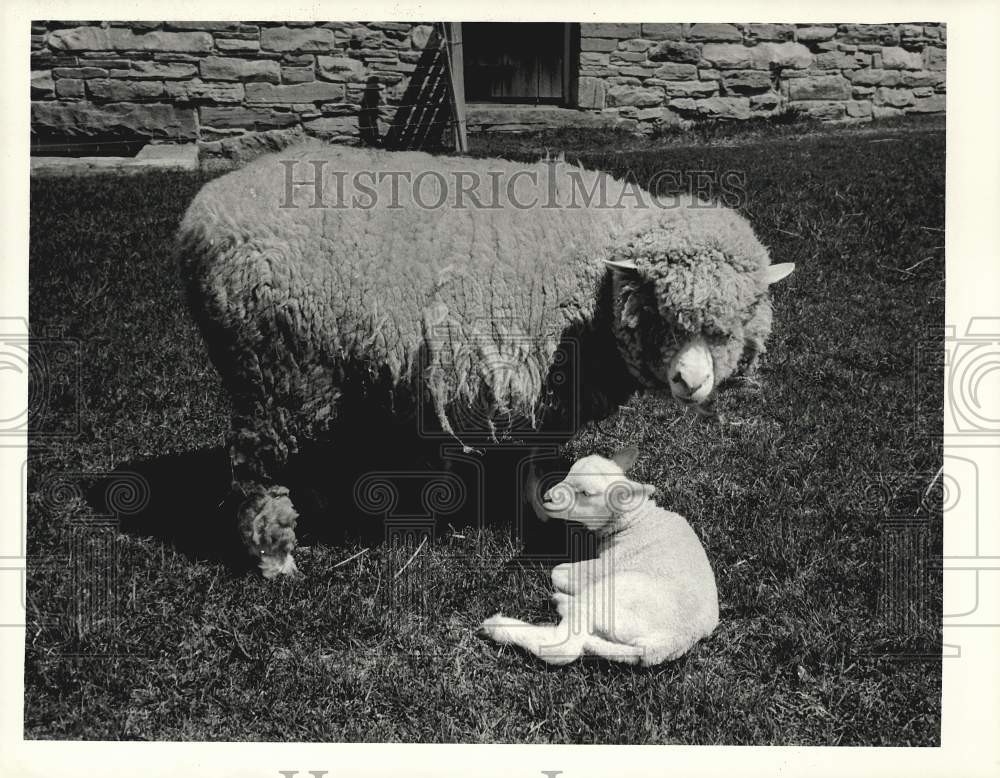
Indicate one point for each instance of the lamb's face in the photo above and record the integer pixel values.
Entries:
(692, 306)
(594, 490)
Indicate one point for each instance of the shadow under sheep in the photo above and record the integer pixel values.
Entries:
(368, 489)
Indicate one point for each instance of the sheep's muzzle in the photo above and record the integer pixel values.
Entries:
(691, 373)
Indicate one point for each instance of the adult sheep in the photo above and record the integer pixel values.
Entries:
(332, 282)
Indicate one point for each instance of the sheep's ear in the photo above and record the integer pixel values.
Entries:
(625, 457)
(774, 273)
(625, 267)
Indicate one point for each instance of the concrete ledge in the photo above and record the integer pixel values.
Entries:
(164, 156)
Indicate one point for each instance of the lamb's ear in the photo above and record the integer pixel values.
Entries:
(626, 457)
(774, 273)
(626, 267)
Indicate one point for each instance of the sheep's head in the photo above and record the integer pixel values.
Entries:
(692, 306)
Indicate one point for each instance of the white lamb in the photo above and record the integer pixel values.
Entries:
(648, 597)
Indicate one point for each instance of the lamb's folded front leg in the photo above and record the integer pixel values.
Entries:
(575, 577)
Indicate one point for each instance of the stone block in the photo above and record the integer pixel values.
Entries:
(921, 78)
(676, 51)
(895, 98)
(236, 69)
(658, 32)
(420, 35)
(242, 117)
(123, 39)
(628, 56)
(713, 107)
(640, 97)
(894, 57)
(815, 33)
(206, 26)
(70, 88)
(340, 69)
(819, 88)
(318, 91)
(715, 33)
(884, 34)
(935, 58)
(297, 39)
(121, 90)
(765, 102)
(637, 44)
(610, 30)
(598, 44)
(153, 120)
(234, 45)
(872, 77)
(746, 81)
(932, 104)
(690, 88)
(42, 84)
(330, 127)
(825, 110)
(838, 60)
(83, 72)
(886, 112)
(198, 91)
(162, 71)
(771, 32)
(786, 55)
(298, 75)
(728, 55)
(859, 109)
(674, 71)
(594, 58)
(591, 93)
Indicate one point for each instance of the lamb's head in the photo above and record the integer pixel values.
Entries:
(596, 490)
(691, 300)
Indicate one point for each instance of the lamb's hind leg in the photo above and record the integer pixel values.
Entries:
(552, 643)
(266, 518)
(614, 652)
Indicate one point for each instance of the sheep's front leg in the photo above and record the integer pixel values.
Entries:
(265, 514)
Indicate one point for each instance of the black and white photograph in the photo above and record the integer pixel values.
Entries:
(526, 381)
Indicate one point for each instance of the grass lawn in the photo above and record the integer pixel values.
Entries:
(147, 629)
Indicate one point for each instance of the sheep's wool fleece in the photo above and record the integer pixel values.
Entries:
(308, 305)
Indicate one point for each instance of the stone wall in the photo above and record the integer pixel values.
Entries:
(228, 85)
(221, 83)
(669, 73)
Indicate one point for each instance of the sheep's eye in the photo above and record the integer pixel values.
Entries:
(585, 493)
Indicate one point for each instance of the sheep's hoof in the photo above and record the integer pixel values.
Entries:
(273, 566)
(267, 522)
